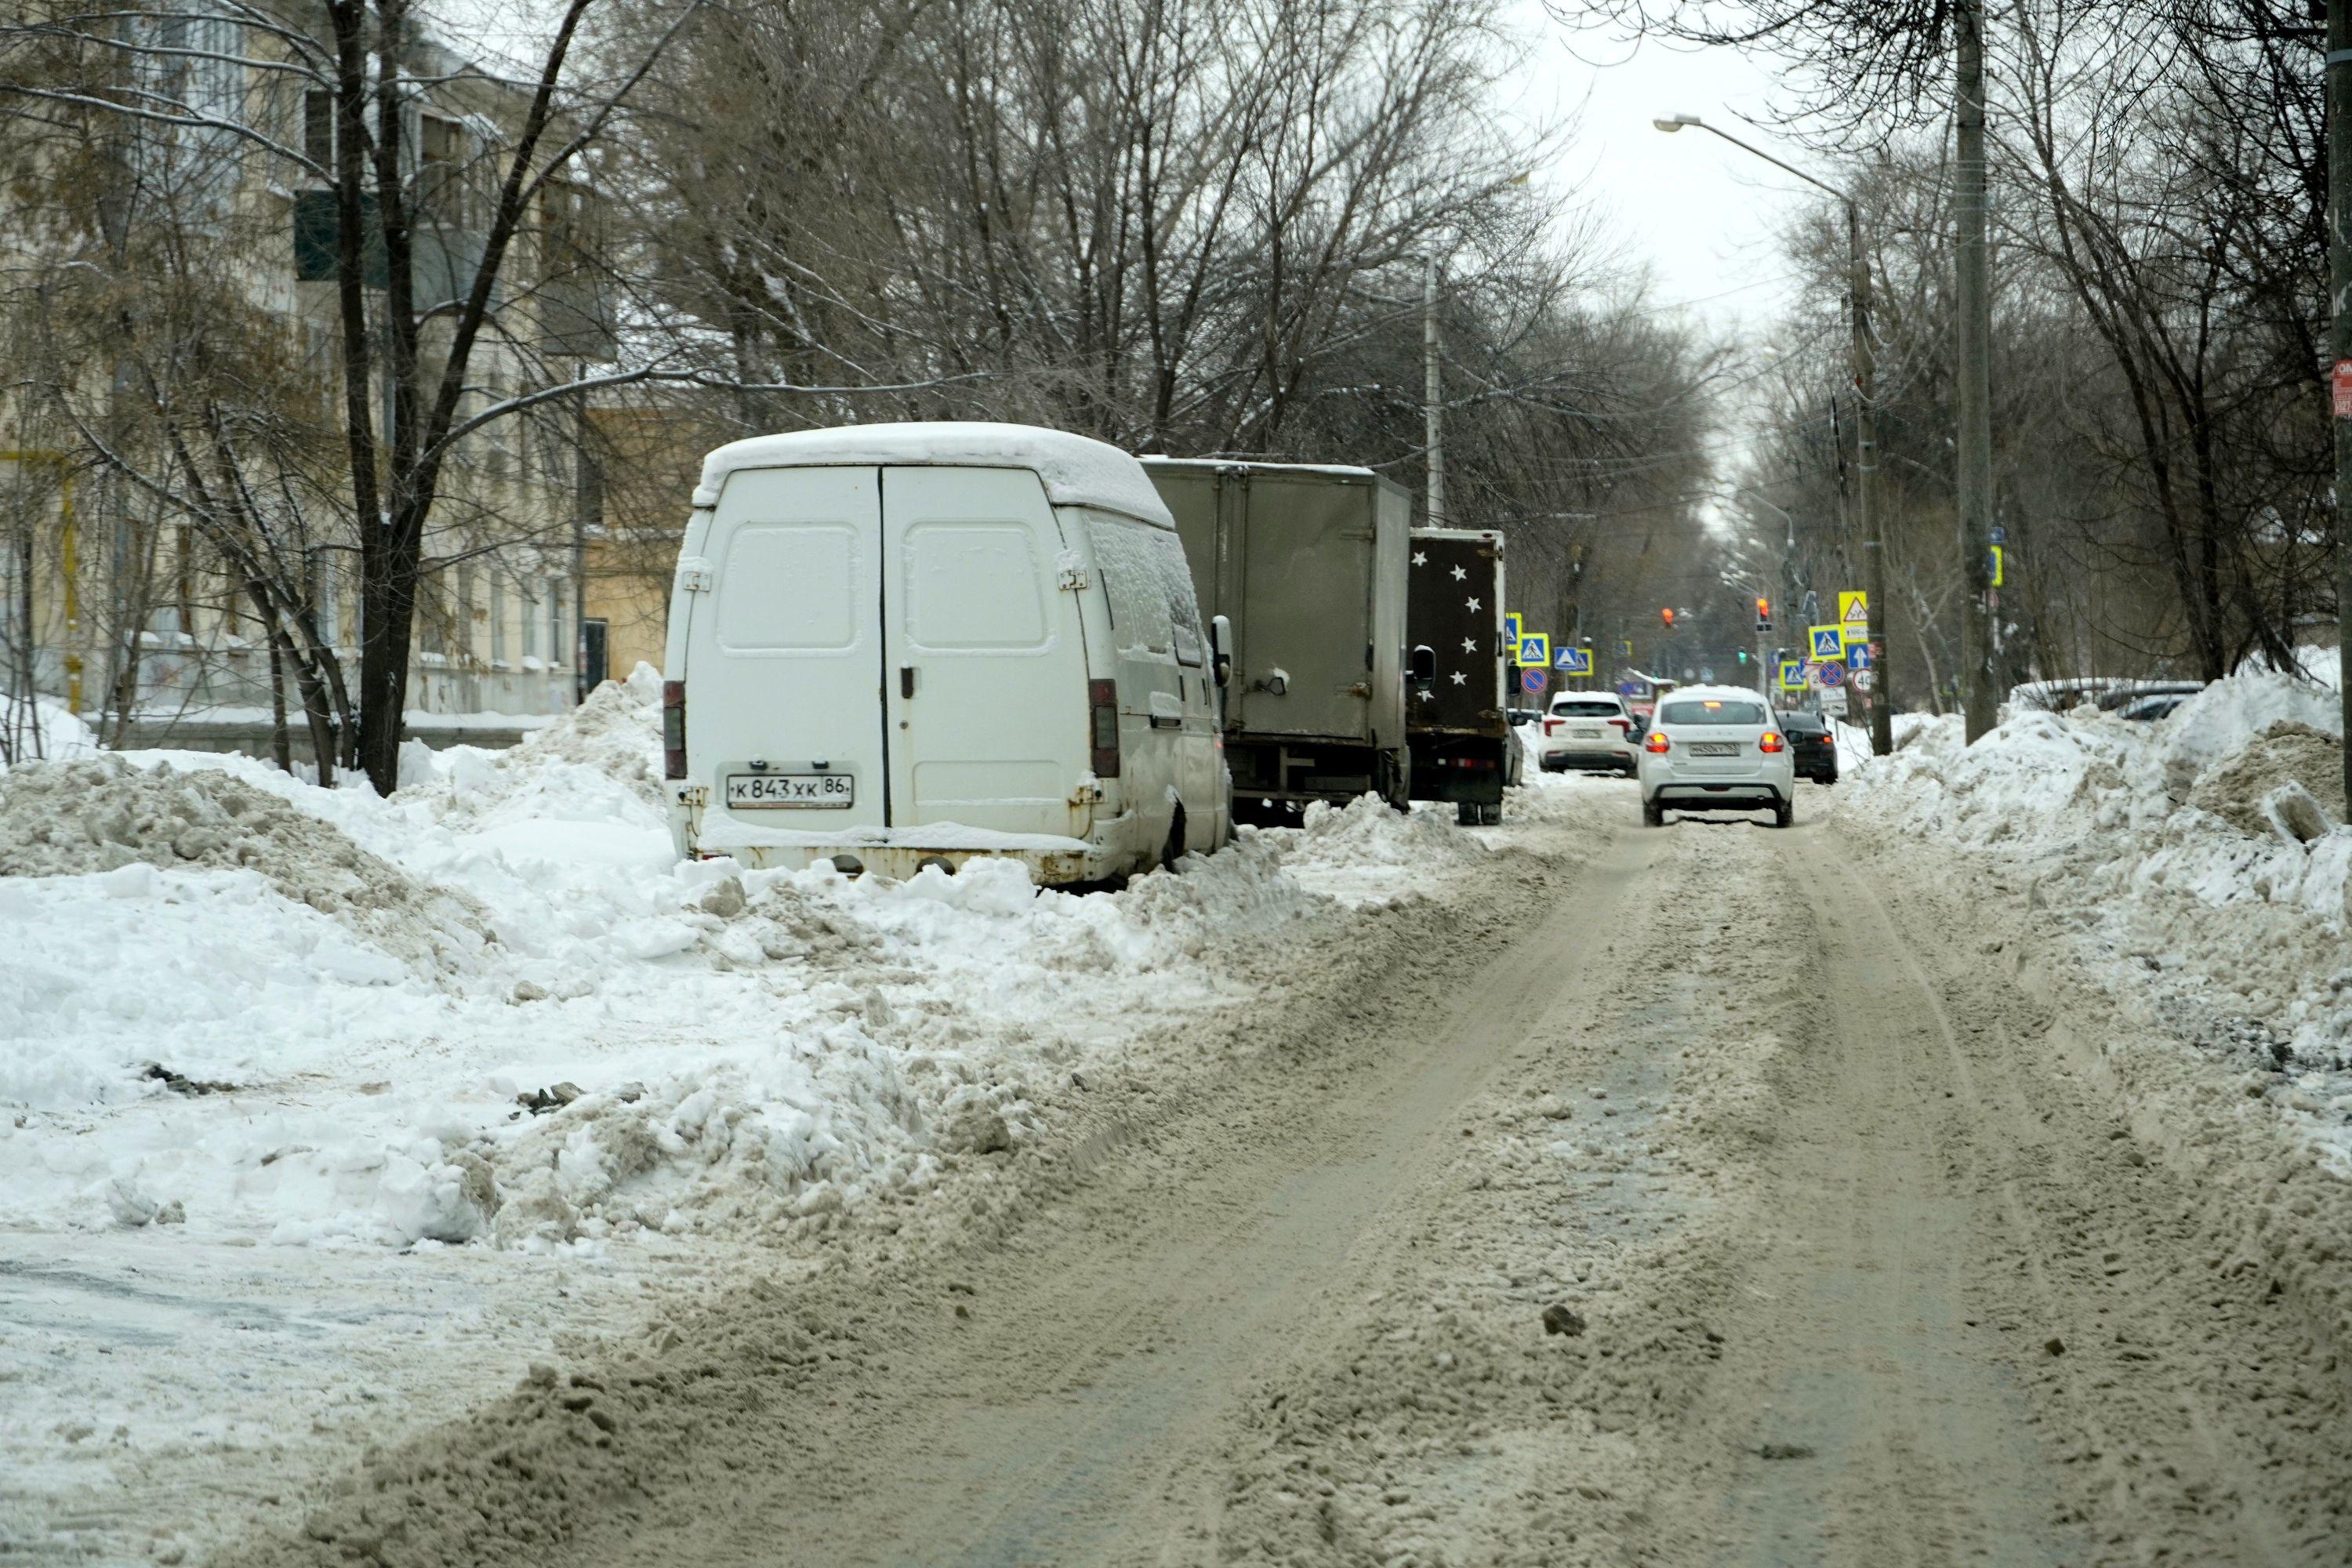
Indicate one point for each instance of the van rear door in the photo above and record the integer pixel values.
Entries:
(788, 663)
(986, 690)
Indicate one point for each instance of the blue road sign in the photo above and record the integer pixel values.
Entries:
(1573, 661)
(1857, 656)
(1825, 643)
(1831, 674)
(1533, 680)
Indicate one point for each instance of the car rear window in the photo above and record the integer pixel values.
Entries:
(1803, 724)
(1586, 710)
(1711, 711)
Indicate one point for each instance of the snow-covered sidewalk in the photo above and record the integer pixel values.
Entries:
(2198, 864)
(307, 1094)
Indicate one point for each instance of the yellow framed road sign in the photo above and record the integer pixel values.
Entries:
(1535, 650)
(1511, 629)
(1853, 608)
(1792, 674)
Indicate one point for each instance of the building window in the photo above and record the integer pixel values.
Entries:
(319, 129)
(442, 190)
(497, 619)
(559, 651)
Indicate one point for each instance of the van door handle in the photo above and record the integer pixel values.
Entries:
(906, 680)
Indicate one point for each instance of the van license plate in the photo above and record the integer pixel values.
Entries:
(757, 792)
(1715, 748)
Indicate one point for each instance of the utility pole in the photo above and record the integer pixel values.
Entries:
(1873, 528)
(2339, 281)
(1977, 695)
(1432, 393)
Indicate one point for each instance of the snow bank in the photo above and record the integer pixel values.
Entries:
(2201, 855)
(496, 1009)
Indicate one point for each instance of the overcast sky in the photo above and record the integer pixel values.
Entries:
(1704, 215)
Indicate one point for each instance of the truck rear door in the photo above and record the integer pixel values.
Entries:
(1307, 598)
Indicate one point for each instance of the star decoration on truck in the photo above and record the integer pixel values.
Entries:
(1473, 606)
(1469, 645)
(1459, 574)
(1421, 558)
(1460, 678)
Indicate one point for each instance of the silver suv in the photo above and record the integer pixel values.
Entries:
(1715, 748)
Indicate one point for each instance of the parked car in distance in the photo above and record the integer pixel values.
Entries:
(2148, 709)
(1526, 716)
(895, 647)
(2126, 694)
(1716, 748)
(1813, 745)
(1589, 730)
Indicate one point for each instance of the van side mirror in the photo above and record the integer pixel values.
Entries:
(1220, 649)
(1424, 666)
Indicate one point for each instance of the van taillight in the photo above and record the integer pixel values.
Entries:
(674, 729)
(1102, 704)
(1654, 742)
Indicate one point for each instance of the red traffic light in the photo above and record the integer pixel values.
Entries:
(1667, 615)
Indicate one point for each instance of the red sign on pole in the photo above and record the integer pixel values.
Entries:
(2340, 385)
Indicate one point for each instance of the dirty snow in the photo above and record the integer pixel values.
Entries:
(2200, 860)
(495, 1017)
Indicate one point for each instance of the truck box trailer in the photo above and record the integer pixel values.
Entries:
(1456, 720)
(1305, 564)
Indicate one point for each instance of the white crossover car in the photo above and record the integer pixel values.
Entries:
(1715, 748)
(1587, 730)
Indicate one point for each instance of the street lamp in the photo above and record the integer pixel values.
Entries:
(1873, 543)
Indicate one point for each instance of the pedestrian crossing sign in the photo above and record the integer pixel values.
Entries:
(1574, 661)
(1511, 629)
(1535, 650)
(1828, 642)
(1792, 674)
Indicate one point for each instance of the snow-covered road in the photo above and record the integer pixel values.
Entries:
(1704, 1195)
(1929, 1183)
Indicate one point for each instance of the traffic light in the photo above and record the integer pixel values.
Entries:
(1667, 615)
(1743, 656)
(1763, 615)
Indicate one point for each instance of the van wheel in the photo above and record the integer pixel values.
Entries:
(1173, 850)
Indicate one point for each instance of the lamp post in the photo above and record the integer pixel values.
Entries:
(1432, 392)
(1873, 540)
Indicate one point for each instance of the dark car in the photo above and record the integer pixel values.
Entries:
(1811, 746)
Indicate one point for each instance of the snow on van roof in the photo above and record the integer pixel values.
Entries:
(1254, 466)
(1077, 470)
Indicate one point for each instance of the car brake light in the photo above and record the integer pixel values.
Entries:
(674, 729)
(1551, 726)
(1624, 724)
(1769, 740)
(1102, 701)
(1654, 742)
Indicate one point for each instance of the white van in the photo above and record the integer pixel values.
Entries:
(893, 645)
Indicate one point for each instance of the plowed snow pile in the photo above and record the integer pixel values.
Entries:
(102, 815)
(2202, 856)
(495, 1008)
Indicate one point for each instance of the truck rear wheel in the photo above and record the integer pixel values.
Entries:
(1173, 850)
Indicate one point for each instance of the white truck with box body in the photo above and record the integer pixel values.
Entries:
(900, 646)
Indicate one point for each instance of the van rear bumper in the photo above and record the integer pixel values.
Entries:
(897, 855)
